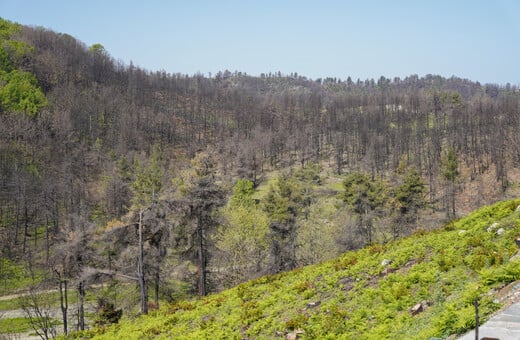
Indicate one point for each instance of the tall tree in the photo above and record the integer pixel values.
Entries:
(244, 235)
(286, 201)
(147, 185)
(450, 174)
(366, 197)
(202, 197)
(408, 199)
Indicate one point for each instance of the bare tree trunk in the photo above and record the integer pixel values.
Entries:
(47, 243)
(140, 270)
(25, 229)
(64, 303)
(453, 199)
(81, 308)
(17, 224)
(477, 319)
(157, 288)
(202, 260)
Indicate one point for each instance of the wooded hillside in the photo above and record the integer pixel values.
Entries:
(230, 176)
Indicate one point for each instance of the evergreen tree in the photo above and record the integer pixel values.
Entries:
(202, 196)
(148, 180)
(408, 199)
(287, 201)
(366, 197)
(450, 173)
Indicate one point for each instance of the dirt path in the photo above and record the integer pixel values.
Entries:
(17, 295)
(54, 312)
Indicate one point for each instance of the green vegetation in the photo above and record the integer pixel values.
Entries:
(362, 294)
(19, 91)
(118, 146)
(15, 276)
(14, 325)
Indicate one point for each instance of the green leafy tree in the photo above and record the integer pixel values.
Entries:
(320, 235)
(97, 48)
(366, 197)
(285, 202)
(148, 180)
(281, 209)
(242, 193)
(244, 236)
(450, 174)
(19, 91)
(408, 197)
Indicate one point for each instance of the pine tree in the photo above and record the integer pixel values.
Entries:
(408, 199)
(202, 197)
(366, 197)
(450, 173)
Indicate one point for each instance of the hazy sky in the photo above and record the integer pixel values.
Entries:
(474, 39)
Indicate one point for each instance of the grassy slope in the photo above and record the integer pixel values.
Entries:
(447, 268)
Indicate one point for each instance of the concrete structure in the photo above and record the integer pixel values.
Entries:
(504, 326)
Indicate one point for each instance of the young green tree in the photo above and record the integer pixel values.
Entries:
(321, 234)
(408, 199)
(286, 201)
(148, 180)
(244, 235)
(367, 198)
(450, 174)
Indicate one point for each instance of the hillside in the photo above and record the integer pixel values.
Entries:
(362, 294)
(189, 184)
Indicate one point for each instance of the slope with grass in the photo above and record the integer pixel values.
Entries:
(364, 294)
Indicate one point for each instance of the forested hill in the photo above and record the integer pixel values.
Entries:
(218, 170)
(420, 287)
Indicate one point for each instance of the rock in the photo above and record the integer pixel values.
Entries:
(462, 232)
(410, 263)
(313, 304)
(418, 308)
(294, 335)
(386, 271)
(517, 209)
(492, 227)
(385, 262)
(500, 231)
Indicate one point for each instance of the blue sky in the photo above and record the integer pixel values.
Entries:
(475, 39)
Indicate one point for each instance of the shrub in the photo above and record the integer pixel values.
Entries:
(107, 313)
